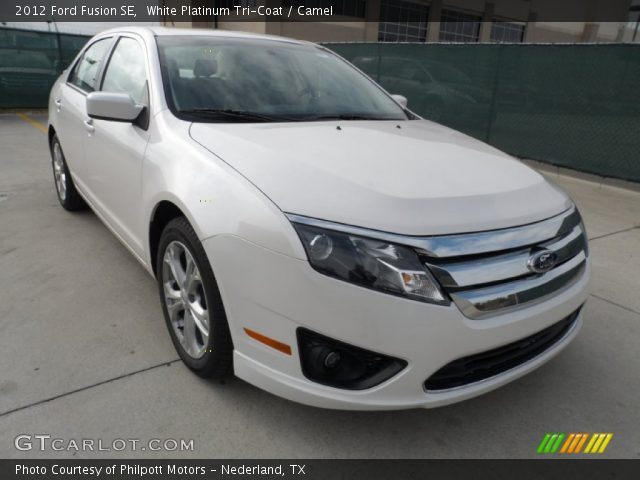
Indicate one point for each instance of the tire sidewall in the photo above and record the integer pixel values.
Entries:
(72, 201)
(218, 328)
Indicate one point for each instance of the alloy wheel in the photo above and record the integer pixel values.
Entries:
(59, 172)
(185, 299)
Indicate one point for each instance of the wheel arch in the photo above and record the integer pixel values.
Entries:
(163, 212)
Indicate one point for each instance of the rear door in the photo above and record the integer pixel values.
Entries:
(71, 109)
(115, 150)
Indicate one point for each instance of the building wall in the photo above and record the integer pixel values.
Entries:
(529, 12)
(320, 32)
(251, 27)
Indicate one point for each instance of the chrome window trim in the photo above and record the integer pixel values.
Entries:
(444, 246)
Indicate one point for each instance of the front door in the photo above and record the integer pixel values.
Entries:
(115, 150)
(71, 107)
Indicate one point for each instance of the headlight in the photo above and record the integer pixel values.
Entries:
(370, 263)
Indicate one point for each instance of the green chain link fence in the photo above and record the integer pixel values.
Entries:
(30, 62)
(576, 106)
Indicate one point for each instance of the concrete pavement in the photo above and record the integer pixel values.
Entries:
(85, 353)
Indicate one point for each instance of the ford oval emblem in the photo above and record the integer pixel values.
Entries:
(542, 261)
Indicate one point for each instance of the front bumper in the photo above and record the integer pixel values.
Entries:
(274, 294)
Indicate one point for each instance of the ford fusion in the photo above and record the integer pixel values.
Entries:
(307, 231)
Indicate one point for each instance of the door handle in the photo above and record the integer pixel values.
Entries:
(88, 125)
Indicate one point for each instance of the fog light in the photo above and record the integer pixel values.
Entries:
(332, 359)
(337, 364)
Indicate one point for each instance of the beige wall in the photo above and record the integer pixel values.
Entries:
(319, 32)
(575, 32)
(179, 24)
(251, 27)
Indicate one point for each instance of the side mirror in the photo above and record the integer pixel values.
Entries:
(118, 107)
(401, 99)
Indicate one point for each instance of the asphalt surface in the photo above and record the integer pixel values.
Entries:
(84, 352)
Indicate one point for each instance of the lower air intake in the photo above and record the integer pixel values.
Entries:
(474, 368)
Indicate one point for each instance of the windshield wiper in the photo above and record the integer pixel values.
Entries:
(237, 115)
(345, 116)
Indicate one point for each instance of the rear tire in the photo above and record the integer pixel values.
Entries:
(66, 191)
(191, 302)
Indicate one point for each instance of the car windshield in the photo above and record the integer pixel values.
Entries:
(217, 79)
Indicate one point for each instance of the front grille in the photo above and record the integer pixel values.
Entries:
(474, 368)
(488, 273)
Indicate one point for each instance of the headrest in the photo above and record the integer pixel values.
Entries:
(172, 68)
(205, 67)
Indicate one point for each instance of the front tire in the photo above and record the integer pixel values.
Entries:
(191, 302)
(68, 196)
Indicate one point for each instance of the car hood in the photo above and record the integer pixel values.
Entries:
(409, 177)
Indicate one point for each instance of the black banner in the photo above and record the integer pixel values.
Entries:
(282, 11)
(169, 11)
(541, 469)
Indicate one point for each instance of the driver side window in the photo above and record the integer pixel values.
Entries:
(126, 71)
(85, 73)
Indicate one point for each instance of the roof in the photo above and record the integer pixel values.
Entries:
(168, 31)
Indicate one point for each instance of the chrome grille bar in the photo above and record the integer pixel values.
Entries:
(487, 301)
(503, 266)
(486, 273)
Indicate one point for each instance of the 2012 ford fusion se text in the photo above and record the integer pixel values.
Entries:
(307, 231)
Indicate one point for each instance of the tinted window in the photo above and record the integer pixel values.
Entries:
(85, 73)
(126, 72)
(271, 78)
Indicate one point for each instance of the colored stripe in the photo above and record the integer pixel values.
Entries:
(33, 122)
(554, 449)
(584, 439)
(543, 442)
(605, 443)
(567, 443)
(574, 443)
(275, 344)
(591, 442)
(596, 445)
(550, 443)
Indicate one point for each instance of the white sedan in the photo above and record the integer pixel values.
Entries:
(306, 230)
